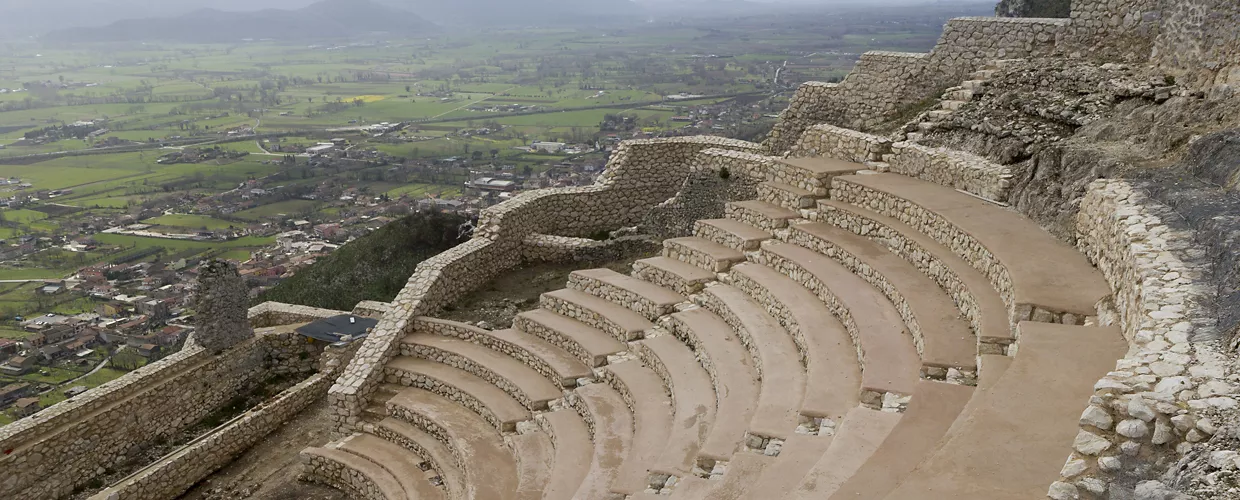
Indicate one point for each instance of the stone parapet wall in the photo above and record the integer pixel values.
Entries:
(825, 140)
(956, 169)
(1199, 42)
(54, 452)
(179, 471)
(969, 43)
(270, 314)
(1157, 402)
(371, 309)
(1112, 30)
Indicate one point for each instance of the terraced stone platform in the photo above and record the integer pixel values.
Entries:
(849, 335)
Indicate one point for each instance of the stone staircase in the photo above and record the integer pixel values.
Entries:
(850, 334)
(951, 101)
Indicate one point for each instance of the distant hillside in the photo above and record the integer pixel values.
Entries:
(326, 19)
(375, 267)
(475, 13)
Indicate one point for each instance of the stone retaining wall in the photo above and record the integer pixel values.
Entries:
(957, 169)
(1111, 30)
(549, 248)
(339, 476)
(179, 471)
(1158, 400)
(1199, 42)
(639, 176)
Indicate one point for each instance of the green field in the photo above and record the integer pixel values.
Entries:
(192, 222)
(130, 241)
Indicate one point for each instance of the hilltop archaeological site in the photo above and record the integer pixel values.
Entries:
(1003, 269)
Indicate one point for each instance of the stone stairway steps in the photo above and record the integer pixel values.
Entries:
(587, 344)
(552, 362)
(611, 425)
(1054, 372)
(643, 297)
(426, 447)
(616, 320)
(399, 462)
(972, 291)
(521, 382)
(782, 382)
(702, 253)
(693, 398)
(1029, 267)
(799, 455)
(933, 409)
(685, 279)
(573, 452)
(720, 351)
(535, 454)
(490, 470)
(861, 433)
(888, 359)
(943, 337)
(742, 471)
(812, 174)
(643, 391)
(833, 374)
(760, 214)
(731, 233)
(368, 479)
(488, 401)
(786, 195)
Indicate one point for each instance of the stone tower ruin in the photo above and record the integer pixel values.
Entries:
(221, 306)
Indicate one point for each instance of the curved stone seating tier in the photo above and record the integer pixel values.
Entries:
(972, 291)
(861, 433)
(731, 371)
(518, 380)
(488, 465)
(535, 455)
(426, 447)
(799, 455)
(760, 214)
(731, 233)
(586, 343)
(573, 452)
(995, 450)
(621, 323)
(702, 253)
(693, 399)
(931, 412)
(647, 299)
(611, 428)
(1039, 277)
(488, 401)
(348, 472)
(396, 461)
(775, 355)
(786, 195)
(833, 375)
(683, 278)
(740, 474)
(942, 336)
(552, 362)
(889, 361)
(812, 174)
(643, 392)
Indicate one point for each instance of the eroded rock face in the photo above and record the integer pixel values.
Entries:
(1034, 8)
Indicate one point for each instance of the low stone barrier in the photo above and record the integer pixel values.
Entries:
(549, 248)
(179, 471)
(639, 176)
(276, 313)
(1159, 399)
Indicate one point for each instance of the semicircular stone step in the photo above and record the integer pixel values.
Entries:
(587, 344)
(622, 323)
(643, 391)
(368, 479)
(643, 297)
(611, 429)
(574, 452)
(427, 448)
(535, 455)
(489, 468)
(488, 401)
(862, 431)
(515, 378)
(552, 362)
(397, 461)
(683, 278)
(694, 399)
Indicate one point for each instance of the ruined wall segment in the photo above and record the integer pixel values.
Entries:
(1114, 30)
(221, 308)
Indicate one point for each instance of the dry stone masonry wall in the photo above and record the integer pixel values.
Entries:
(221, 319)
(275, 314)
(1159, 400)
(1199, 41)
